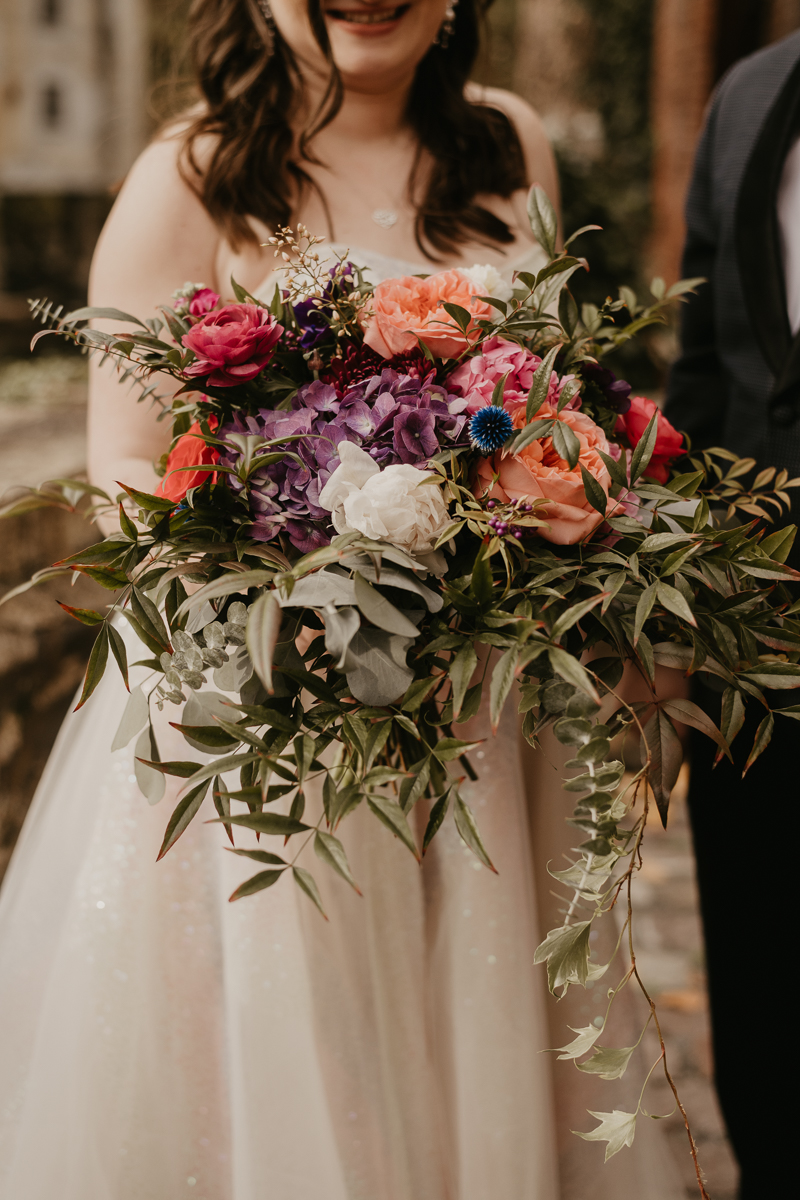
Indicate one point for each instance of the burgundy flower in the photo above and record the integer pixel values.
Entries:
(233, 344)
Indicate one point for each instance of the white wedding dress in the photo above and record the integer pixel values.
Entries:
(157, 1042)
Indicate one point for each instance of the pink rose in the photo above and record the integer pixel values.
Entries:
(669, 443)
(233, 344)
(203, 301)
(407, 308)
(538, 473)
(189, 451)
(476, 378)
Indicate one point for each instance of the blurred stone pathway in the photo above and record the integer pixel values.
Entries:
(669, 946)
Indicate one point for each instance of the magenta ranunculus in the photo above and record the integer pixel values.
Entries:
(475, 379)
(233, 344)
(205, 300)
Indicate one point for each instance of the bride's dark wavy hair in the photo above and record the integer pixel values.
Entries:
(252, 90)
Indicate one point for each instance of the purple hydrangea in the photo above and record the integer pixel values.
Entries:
(396, 418)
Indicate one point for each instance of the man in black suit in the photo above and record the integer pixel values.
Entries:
(737, 384)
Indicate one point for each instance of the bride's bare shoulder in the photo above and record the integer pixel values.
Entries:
(539, 158)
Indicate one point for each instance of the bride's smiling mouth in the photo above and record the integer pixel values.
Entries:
(372, 18)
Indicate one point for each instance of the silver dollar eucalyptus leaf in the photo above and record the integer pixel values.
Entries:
(379, 672)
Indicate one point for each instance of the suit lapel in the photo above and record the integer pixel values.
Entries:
(758, 241)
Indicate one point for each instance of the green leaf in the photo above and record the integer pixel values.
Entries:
(779, 544)
(119, 652)
(226, 585)
(306, 882)
(262, 856)
(573, 615)
(377, 609)
(149, 618)
(391, 814)
(689, 713)
(608, 1063)
(462, 668)
(616, 469)
(572, 671)
(502, 680)
(644, 449)
(566, 444)
(146, 501)
(417, 692)
(732, 714)
(617, 1128)
(543, 219)
(644, 607)
(499, 389)
(261, 634)
(594, 493)
(438, 814)
(331, 851)
(762, 740)
(183, 770)
(541, 383)
(446, 749)
(97, 665)
(666, 758)
(468, 828)
(271, 824)
(86, 616)
(257, 883)
(675, 603)
(215, 736)
(186, 809)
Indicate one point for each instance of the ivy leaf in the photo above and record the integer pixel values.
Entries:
(331, 851)
(306, 882)
(467, 826)
(608, 1063)
(617, 1128)
(566, 951)
(587, 1036)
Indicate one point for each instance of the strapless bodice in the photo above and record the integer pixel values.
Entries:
(383, 266)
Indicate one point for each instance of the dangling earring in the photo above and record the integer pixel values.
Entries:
(269, 21)
(447, 27)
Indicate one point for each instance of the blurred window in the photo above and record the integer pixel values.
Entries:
(51, 11)
(52, 107)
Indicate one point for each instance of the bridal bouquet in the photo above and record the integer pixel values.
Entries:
(385, 506)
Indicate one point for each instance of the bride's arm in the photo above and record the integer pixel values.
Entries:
(157, 237)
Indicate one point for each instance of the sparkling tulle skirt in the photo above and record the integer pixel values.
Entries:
(158, 1042)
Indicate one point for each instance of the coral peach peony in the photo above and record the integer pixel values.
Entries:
(233, 344)
(538, 473)
(189, 451)
(407, 308)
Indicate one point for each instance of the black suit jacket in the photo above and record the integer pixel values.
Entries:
(737, 381)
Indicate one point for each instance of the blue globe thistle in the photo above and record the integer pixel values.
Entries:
(490, 428)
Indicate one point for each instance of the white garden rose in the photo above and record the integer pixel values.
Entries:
(489, 280)
(393, 505)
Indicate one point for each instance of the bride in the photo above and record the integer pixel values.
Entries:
(158, 1042)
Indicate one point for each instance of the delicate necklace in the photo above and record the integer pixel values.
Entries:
(384, 217)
